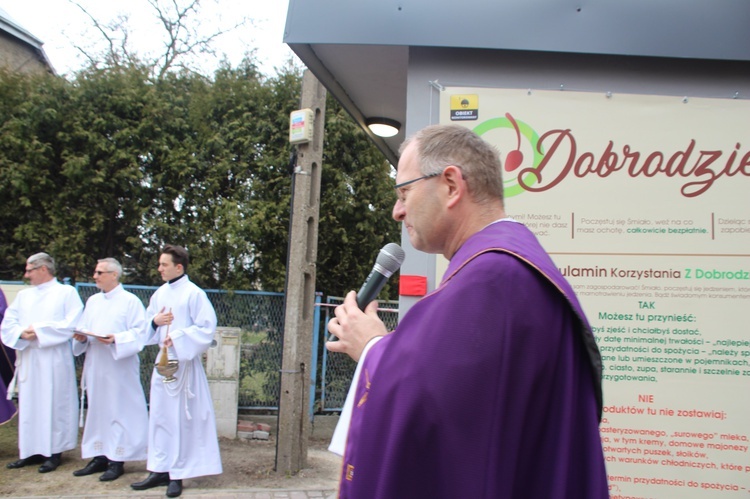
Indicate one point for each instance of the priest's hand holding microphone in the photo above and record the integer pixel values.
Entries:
(356, 321)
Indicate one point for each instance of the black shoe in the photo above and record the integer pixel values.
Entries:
(175, 488)
(96, 465)
(114, 471)
(51, 463)
(151, 481)
(35, 459)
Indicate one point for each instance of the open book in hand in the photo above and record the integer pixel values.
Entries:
(90, 333)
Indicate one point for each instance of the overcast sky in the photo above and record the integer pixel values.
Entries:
(60, 24)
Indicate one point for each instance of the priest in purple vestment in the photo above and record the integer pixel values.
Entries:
(7, 354)
(7, 408)
(490, 387)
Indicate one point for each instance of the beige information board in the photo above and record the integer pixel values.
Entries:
(643, 201)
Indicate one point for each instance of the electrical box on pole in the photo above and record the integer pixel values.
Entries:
(301, 126)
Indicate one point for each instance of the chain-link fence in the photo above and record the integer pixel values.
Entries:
(259, 314)
(337, 369)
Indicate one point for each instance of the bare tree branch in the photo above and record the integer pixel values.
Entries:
(99, 28)
(180, 20)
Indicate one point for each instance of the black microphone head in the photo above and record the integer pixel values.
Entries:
(390, 258)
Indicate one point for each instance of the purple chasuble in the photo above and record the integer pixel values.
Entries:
(7, 354)
(490, 387)
(7, 408)
(7, 358)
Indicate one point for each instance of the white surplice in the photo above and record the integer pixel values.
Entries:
(338, 439)
(182, 437)
(117, 416)
(45, 374)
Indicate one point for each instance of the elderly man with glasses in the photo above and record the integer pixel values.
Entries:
(39, 326)
(112, 332)
(502, 344)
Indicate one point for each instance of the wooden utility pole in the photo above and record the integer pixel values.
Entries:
(294, 422)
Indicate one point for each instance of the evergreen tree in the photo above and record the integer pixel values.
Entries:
(114, 163)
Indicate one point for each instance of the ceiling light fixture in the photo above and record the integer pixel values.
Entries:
(383, 127)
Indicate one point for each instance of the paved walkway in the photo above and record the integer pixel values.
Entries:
(212, 494)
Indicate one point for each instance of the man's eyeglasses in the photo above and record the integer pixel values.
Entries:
(400, 186)
(100, 272)
(28, 271)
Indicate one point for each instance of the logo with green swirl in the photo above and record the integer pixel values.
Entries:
(514, 159)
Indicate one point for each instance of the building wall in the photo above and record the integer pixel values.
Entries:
(18, 56)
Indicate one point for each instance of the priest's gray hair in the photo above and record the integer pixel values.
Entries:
(439, 146)
(112, 264)
(42, 260)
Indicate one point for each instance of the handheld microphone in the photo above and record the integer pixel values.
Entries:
(387, 263)
(389, 260)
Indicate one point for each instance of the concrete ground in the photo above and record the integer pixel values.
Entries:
(248, 472)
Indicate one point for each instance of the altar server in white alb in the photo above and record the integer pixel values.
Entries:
(39, 326)
(182, 439)
(112, 331)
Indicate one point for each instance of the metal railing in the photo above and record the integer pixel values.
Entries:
(260, 316)
(337, 369)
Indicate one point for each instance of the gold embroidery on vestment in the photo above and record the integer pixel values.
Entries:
(367, 388)
(362, 400)
(349, 472)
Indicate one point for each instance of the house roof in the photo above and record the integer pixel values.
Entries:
(11, 27)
